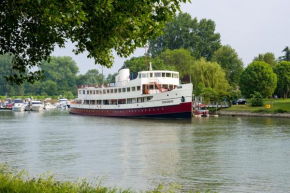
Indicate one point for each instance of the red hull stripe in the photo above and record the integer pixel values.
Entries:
(182, 108)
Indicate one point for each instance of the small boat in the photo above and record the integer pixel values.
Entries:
(63, 103)
(49, 106)
(201, 110)
(6, 104)
(36, 106)
(18, 105)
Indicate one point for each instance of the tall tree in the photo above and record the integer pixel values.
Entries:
(5, 69)
(49, 87)
(63, 71)
(184, 32)
(286, 56)
(137, 64)
(258, 77)
(210, 74)
(229, 60)
(30, 29)
(268, 57)
(92, 77)
(179, 60)
(111, 78)
(283, 75)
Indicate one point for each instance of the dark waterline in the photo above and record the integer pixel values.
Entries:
(225, 154)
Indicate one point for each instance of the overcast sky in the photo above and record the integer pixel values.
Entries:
(249, 26)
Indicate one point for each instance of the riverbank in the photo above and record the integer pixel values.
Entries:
(252, 114)
(278, 108)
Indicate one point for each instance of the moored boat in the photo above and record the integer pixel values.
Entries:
(18, 105)
(48, 105)
(154, 93)
(63, 103)
(36, 106)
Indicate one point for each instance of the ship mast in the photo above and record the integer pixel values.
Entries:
(146, 57)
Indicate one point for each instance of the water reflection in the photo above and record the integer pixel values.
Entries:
(225, 154)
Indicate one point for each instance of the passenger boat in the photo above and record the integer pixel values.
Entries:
(154, 93)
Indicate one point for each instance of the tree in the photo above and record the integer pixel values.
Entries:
(5, 69)
(137, 64)
(49, 87)
(63, 71)
(259, 77)
(210, 74)
(183, 32)
(92, 77)
(229, 60)
(257, 99)
(283, 78)
(286, 57)
(268, 57)
(111, 78)
(179, 60)
(30, 29)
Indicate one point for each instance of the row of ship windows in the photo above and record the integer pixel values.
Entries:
(126, 89)
(117, 101)
(108, 91)
(158, 74)
(121, 111)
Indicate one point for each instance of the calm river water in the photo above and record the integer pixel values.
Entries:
(225, 154)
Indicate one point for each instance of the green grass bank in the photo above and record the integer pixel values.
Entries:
(13, 181)
(277, 106)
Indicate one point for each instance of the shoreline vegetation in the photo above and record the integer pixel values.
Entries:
(14, 181)
(278, 108)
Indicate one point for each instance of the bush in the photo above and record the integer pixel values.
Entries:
(262, 111)
(281, 111)
(257, 99)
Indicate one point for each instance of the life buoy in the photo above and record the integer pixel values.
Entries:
(182, 99)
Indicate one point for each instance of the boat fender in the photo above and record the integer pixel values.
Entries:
(182, 99)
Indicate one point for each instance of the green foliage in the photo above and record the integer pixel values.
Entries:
(92, 77)
(262, 111)
(281, 111)
(199, 89)
(234, 94)
(286, 56)
(137, 64)
(49, 87)
(229, 60)
(111, 78)
(63, 71)
(210, 74)
(68, 95)
(268, 57)
(185, 32)
(209, 94)
(283, 78)
(5, 70)
(259, 77)
(257, 99)
(14, 181)
(30, 29)
(179, 60)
